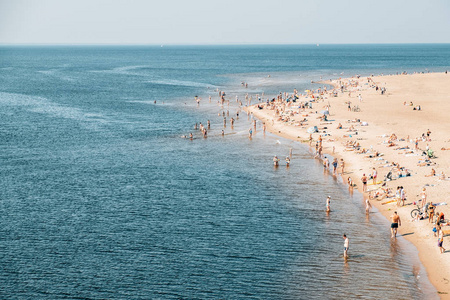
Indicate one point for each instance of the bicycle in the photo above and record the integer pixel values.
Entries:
(416, 211)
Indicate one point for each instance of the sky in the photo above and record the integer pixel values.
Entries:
(223, 22)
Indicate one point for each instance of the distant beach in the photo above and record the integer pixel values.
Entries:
(375, 122)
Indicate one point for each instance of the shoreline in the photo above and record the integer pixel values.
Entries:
(418, 233)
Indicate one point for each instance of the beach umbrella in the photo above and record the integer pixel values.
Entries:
(312, 129)
(325, 112)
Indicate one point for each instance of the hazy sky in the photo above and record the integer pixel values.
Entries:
(223, 22)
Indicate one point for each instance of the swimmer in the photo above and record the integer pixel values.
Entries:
(288, 161)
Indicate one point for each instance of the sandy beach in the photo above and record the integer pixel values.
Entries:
(380, 129)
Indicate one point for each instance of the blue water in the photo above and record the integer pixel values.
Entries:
(100, 197)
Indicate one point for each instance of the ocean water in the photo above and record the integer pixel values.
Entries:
(101, 197)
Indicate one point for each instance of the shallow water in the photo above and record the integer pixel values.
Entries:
(101, 198)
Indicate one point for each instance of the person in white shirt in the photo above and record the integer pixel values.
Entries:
(346, 244)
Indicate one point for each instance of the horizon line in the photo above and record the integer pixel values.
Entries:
(205, 44)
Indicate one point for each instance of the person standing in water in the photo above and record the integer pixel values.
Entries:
(342, 166)
(335, 164)
(328, 203)
(346, 246)
(288, 161)
(368, 206)
(275, 161)
(395, 223)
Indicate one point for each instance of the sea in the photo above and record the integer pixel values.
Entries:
(102, 196)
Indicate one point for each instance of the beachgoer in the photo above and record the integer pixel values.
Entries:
(441, 241)
(402, 195)
(325, 163)
(364, 182)
(335, 163)
(328, 203)
(342, 166)
(368, 206)
(431, 209)
(423, 194)
(374, 176)
(395, 218)
(288, 161)
(275, 161)
(346, 246)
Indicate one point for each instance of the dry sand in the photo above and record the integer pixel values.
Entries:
(387, 114)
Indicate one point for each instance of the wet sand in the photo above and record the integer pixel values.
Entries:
(386, 114)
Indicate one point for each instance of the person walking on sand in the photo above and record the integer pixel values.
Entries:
(328, 203)
(395, 218)
(346, 246)
(364, 182)
(342, 166)
(374, 176)
(441, 241)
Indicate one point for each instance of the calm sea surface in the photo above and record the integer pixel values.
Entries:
(101, 197)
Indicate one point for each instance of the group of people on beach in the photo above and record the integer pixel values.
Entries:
(286, 106)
